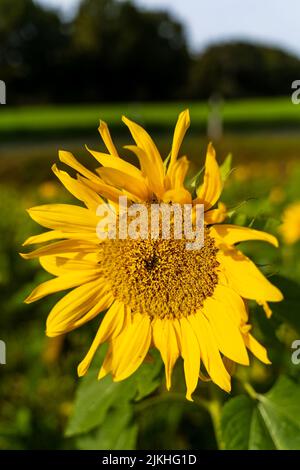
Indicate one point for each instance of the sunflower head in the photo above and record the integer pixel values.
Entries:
(155, 291)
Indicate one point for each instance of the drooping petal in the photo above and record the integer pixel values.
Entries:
(232, 234)
(209, 192)
(209, 351)
(131, 347)
(266, 307)
(256, 348)
(226, 332)
(110, 327)
(107, 363)
(106, 137)
(165, 341)
(191, 356)
(78, 307)
(182, 125)
(245, 278)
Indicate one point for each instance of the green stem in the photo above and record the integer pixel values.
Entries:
(242, 378)
(250, 390)
(215, 409)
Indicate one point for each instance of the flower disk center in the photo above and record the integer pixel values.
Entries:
(161, 278)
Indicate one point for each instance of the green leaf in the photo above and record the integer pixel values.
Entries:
(270, 422)
(117, 432)
(95, 398)
(225, 168)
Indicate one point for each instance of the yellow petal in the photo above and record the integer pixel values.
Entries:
(61, 247)
(121, 180)
(78, 307)
(165, 341)
(191, 356)
(209, 192)
(65, 217)
(106, 137)
(90, 198)
(131, 347)
(110, 327)
(227, 333)
(107, 364)
(144, 141)
(180, 196)
(117, 164)
(216, 216)
(57, 235)
(244, 277)
(107, 191)
(44, 237)
(149, 170)
(69, 159)
(232, 234)
(178, 172)
(235, 306)
(209, 351)
(182, 126)
(64, 282)
(256, 348)
(266, 308)
(59, 265)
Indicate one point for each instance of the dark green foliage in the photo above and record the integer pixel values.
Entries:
(240, 69)
(115, 51)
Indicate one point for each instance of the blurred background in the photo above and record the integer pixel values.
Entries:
(68, 63)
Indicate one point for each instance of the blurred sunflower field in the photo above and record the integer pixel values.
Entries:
(44, 405)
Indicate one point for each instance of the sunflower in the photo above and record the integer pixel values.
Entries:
(156, 293)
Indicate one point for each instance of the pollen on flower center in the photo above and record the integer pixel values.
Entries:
(160, 277)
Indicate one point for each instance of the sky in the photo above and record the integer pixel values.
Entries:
(274, 22)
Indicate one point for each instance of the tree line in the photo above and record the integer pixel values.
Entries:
(115, 51)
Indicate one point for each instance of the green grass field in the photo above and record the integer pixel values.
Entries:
(41, 121)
